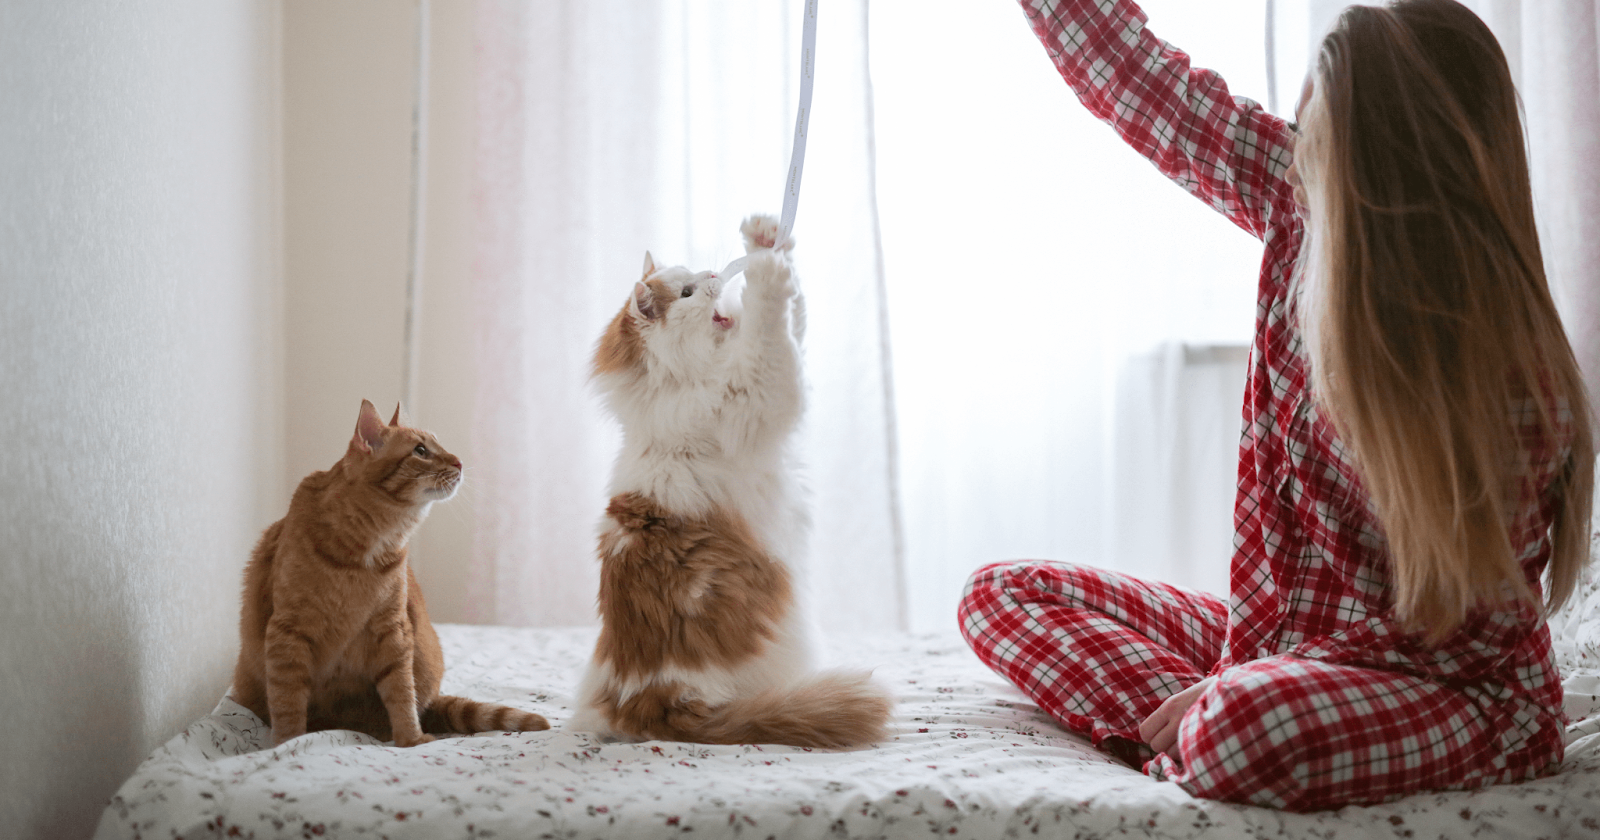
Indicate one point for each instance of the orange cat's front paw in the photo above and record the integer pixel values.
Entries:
(424, 738)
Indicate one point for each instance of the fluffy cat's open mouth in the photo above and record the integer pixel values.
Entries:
(721, 321)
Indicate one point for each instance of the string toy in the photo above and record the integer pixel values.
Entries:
(797, 154)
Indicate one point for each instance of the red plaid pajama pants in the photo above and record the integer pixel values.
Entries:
(1099, 651)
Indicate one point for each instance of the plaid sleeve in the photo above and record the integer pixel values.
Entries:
(1227, 151)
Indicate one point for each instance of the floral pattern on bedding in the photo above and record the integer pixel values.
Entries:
(968, 757)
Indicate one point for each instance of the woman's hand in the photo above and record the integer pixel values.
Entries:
(1160, 729)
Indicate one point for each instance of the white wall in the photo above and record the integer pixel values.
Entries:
(349, 89)
(140, 379)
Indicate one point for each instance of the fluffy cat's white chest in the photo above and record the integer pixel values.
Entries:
(693, 478)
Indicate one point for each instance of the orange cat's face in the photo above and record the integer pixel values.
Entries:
(406, 464)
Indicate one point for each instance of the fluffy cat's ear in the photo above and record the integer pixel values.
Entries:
(369, 429)
(395, 420)
(649, 266)
(644, 302)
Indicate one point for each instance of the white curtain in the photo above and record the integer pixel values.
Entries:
(607, 129)
(1064, 318)
(1553, 46)
(1067, 328)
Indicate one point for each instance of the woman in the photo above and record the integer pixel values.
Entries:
(1416, 452)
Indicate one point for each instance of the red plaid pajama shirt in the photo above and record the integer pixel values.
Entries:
(1321, 699)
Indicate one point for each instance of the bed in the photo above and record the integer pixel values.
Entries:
(968, 756)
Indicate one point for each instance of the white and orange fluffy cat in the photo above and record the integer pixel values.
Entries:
(703, 637)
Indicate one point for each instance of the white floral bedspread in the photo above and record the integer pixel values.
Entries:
(968, 757)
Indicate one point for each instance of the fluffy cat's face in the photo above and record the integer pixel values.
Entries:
(673, 317)
(407, 464)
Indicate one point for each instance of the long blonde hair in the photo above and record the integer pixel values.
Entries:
(1431, 320)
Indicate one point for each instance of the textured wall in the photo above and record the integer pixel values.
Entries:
(140, 379)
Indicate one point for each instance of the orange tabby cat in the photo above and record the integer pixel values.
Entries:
(334, 633)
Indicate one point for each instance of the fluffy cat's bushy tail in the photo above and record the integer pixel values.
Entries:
(834, 710)
(449, 714)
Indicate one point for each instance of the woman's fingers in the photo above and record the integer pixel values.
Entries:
(1157, 721)
(1166, 738)
(1160, 729)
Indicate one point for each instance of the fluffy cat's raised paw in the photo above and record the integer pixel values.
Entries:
(761, 232)
(769, 270)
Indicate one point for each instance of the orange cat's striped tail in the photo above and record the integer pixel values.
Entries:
(448, 714)
(835, 710)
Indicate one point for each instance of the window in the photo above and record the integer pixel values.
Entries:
(1059, 312)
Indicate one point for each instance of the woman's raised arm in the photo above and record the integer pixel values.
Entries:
(1227, 151)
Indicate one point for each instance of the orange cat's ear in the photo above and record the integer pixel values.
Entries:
(643, 302)
(369, 429)
(395, 420)
(649, 265)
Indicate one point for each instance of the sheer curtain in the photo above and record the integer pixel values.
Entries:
(1069, 326)
(1553, 51)
(607, 129)
(1068, 329)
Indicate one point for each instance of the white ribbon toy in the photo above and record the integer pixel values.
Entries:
(797, 157)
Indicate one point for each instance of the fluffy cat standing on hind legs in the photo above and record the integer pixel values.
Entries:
(703, 638)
